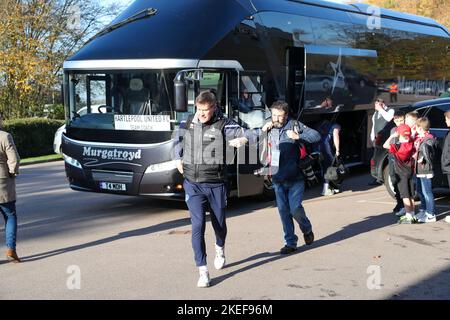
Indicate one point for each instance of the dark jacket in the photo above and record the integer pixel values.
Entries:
(203, 148)
(288, 169)
(445, 160)
(425, 156)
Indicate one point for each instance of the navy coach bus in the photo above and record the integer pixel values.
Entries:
(327, 60)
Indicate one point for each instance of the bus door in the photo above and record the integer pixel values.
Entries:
(98, 93)
(251, 114)
(228, 84)
(340, 86)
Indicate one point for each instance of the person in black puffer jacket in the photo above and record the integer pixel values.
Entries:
(201, 158)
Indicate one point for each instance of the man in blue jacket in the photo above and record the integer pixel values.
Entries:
(288, 179)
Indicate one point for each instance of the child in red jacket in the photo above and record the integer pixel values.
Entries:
(403, 168)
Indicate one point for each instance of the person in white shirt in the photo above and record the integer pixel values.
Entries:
(381, 117)
(383, 114)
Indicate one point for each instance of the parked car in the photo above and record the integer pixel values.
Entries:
(58, 134)
(57, 139)
(434, 110)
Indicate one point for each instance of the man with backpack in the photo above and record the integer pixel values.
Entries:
(285, 136)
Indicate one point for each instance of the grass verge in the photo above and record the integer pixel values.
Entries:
(41, 158)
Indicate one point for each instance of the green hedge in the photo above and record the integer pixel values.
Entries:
(33, 136)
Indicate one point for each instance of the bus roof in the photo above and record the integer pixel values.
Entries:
(359, 8)
(175, 29)
(180, 29)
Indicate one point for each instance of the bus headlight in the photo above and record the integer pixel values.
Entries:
(163, 166)
(72, 161)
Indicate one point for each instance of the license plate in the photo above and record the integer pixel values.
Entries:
(113, 186)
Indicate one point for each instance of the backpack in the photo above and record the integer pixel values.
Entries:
(306, 160)
(305, 164)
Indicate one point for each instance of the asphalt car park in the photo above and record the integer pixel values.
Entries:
(77, 245)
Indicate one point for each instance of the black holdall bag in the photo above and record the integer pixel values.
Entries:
(336, 172)
(305, 164)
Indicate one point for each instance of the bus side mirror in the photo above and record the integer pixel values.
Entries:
(179, 86)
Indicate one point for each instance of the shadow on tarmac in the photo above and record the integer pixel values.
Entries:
(435, 287)
(42, 223)
(130, 205)
(238, 207)
(368, 224)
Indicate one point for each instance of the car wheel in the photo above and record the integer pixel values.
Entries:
(388, 182)
(390, 187)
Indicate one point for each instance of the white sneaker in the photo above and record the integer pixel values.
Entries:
(427, 217)
(406, 219)
(400, 212)
(421, 215)
(204, 280)
(219, 260)
(328, 192)
(447, 219)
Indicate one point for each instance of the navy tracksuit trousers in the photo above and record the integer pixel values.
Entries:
(200, 198)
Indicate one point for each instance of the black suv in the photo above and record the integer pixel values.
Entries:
(434, 110)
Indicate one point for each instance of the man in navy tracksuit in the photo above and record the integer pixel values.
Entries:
(202, 160)
(288, 179)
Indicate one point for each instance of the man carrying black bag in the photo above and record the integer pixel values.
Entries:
(330, 150)
(287, 177)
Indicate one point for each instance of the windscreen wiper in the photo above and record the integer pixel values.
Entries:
(140, 15)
